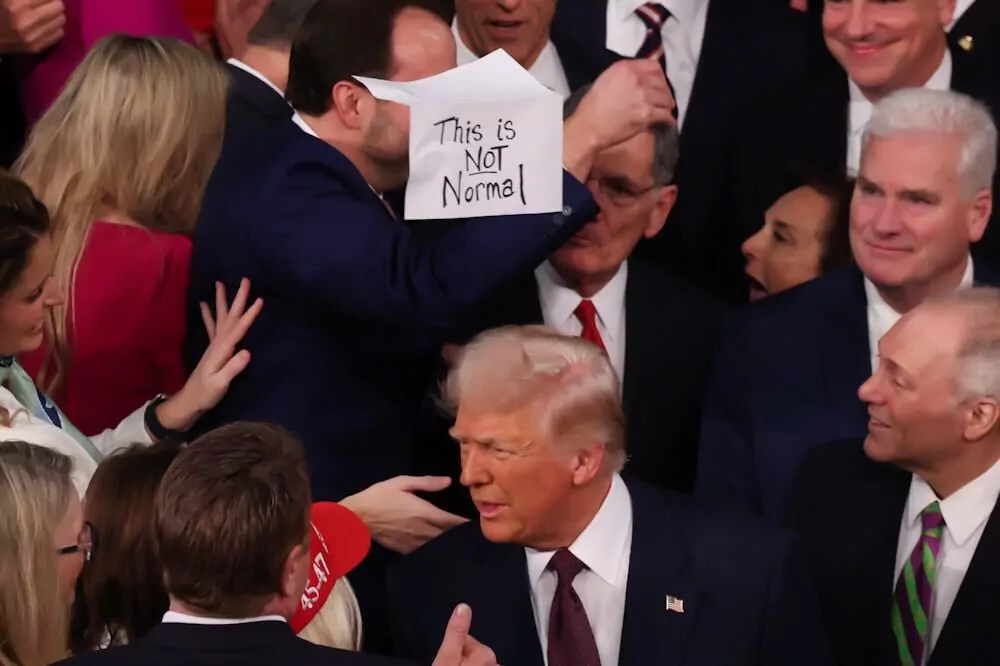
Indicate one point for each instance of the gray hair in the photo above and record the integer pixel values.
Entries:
(978, 367)
(942, 112)
(569, 381)
(666, 146)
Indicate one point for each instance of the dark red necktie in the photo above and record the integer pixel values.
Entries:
(571, 640)
(587, 314)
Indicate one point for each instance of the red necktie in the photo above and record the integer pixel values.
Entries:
(571, 640)
(587, 314)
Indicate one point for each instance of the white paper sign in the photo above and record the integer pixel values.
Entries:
(485, 139)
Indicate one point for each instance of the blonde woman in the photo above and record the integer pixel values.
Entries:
(43, 545)
(121, 161)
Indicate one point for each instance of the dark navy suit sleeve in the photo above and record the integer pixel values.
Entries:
(344, 252)
(794, 633)
(726, 475)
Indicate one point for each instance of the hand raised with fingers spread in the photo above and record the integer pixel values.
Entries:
(220, 363)
(458, 648)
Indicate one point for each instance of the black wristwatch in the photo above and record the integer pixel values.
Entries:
(153, 425)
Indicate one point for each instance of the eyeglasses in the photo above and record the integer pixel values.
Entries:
(86, 543)
(620, 192)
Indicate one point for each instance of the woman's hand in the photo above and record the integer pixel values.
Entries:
(220, 363)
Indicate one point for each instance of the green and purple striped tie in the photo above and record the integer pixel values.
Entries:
(912, 603)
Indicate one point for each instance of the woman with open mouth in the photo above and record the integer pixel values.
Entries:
(804, 235)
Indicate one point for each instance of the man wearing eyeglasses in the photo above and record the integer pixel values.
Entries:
(658, 332)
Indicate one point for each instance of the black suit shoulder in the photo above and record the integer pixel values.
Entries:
(253, 644)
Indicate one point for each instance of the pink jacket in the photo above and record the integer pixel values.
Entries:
(41, 77)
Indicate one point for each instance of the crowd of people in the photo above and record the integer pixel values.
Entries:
(251, 413)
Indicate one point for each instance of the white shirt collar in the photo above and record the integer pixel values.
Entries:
(965, 510)
(561, 301)
(683, 12)
(183, 618)
(298, 120)
(601, 546)
(547, 68)
(253, 72)
(940, 80)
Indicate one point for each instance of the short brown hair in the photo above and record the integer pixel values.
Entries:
(340, 39)
(229, 511)
(121, 591)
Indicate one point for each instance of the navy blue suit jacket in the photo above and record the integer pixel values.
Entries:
(786, 377)
(746, 596)
(342, 351)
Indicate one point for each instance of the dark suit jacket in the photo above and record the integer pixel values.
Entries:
(337, 354)
(252, 104)
(253, 644)
(11, 117)
(786, 377)
(981, 23)
(746, 598)
(806, 127)
(749, 49)
(671, 330)
(855, 575)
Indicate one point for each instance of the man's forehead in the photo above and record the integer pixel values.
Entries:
(925, 336)
(636, 152)
(911, 155)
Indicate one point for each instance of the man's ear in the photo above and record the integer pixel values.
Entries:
(980, 210)
(666, 197)
(349, 100)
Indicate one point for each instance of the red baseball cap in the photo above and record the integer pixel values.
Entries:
(338, 542)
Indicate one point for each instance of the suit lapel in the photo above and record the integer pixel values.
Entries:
(967, 634)
(846, 355)
(502, 616)
(863, 561)
(579, 35)
(658, 567)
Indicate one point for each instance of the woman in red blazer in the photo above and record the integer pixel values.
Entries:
(121, 160)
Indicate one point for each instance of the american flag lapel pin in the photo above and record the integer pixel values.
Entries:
(675, 604)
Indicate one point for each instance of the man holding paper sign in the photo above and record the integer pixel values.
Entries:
(357, 305)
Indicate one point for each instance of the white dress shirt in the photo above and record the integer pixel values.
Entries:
(683, 34)
(559, 302)
(961, 7)
(860, 110)
(605, 547)
(257, 75)
(27, 427)
(173, 617)
(547, 68)
(965, 515)
(881, 316)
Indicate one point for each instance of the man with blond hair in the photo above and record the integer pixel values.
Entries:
(571, 565)
(915, 579)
